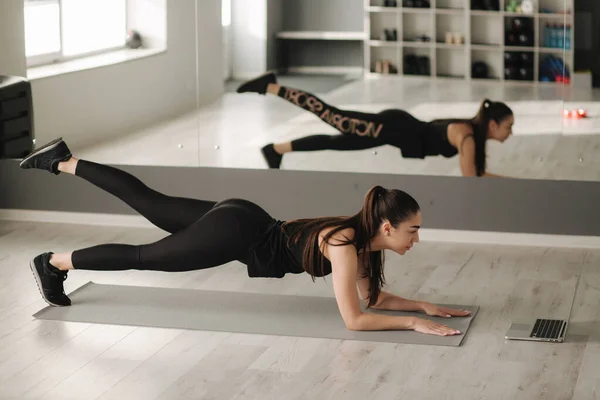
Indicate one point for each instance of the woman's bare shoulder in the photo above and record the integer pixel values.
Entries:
(458, 131)
(340, 236)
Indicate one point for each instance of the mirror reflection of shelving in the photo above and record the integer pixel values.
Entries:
(450, 28)
(451, 63)
(418, 31)
(486, 44)
(417, 25)
(417, 61)
(527, 41)
(450, 5)
(487, 64)
(385, 60)
(383, 53)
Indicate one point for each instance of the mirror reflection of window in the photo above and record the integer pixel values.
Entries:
(226, 23)
(60, 30)
(42, 27)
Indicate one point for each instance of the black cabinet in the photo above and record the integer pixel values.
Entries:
(16, 117)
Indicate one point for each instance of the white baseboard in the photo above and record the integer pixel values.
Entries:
(509, 238)
(341, 70)
(426, 235)
(246, 75)
(99, 219)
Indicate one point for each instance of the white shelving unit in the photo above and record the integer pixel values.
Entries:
(483, 35)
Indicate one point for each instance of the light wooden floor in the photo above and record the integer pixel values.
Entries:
(230, 132)
(56, 360)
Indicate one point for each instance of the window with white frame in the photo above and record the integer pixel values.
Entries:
(59, 30)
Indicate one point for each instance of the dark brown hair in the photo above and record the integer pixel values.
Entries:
(379, 204)
(488, 111)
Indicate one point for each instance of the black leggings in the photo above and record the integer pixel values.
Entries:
(203, 234)
(359, 130)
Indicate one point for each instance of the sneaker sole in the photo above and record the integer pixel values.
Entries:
(39, 284)
(43, 149)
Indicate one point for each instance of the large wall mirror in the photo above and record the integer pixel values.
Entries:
(165, 93)
(434, 59)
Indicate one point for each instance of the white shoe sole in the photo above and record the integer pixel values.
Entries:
(43, 149)
(39, 284)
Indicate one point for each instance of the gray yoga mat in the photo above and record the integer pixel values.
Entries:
(269, 314)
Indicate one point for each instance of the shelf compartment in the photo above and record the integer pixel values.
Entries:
(417, 61)
(451, 63)
(519, 65)
(383, 54)
(486, 31)
(380, 22)
(417, 25)
(493, 64)
(450, 5)
(450, 24)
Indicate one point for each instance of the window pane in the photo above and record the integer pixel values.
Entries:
(92, 25)
(42, 28)
(226, 12)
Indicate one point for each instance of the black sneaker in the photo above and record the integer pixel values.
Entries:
(50, 280)
(258, 85)
(272, 157)
(48, 156)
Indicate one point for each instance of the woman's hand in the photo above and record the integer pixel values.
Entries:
(433, 310)
(433, 328)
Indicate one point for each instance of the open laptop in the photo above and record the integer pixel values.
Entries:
(542, 329)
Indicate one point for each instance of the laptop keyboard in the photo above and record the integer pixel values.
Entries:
(548, 328)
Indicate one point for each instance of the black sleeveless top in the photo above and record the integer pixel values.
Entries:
(271, 257)
(414, 137)
(435, 139)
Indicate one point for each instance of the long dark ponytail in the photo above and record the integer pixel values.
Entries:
(379, 204)
(488, 111)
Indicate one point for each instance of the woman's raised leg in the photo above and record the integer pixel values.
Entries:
(166, 212)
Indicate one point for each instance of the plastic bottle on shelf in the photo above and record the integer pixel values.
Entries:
(560, 36)
(546, 37)
(568, 37)
(554, 36)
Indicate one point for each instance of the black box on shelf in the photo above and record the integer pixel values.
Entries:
(519, 65)
(485, 5)
(519, 31)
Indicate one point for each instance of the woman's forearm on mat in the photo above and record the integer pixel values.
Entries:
(377, 322)
(391, 302)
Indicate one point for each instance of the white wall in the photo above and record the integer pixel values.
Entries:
(96, 104)
(209, 50)
(254, 24)
(12, 58)
(248, 35)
